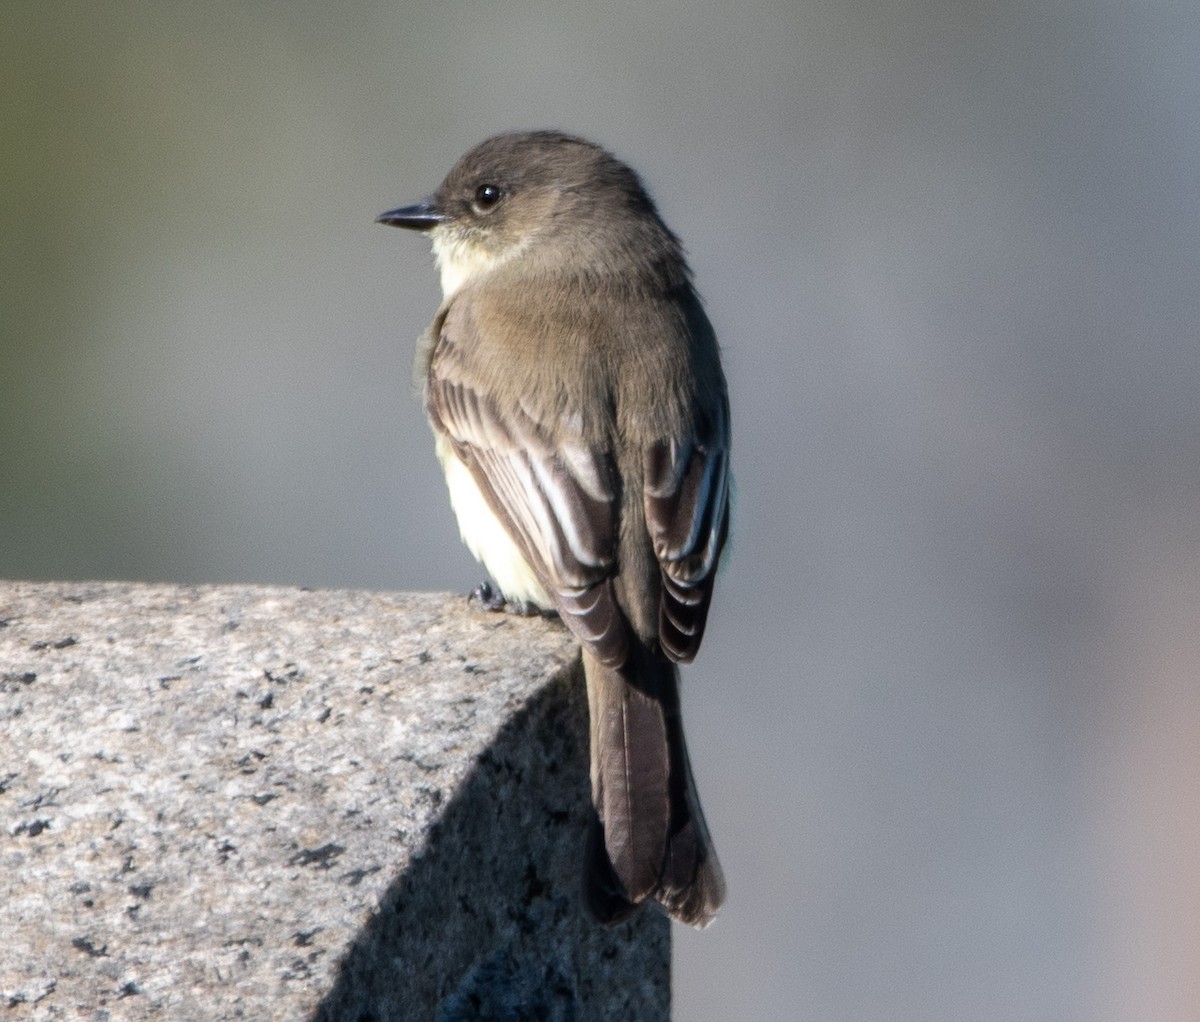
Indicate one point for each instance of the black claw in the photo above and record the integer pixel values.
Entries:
(488, 597)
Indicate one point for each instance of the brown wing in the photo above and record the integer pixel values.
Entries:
(554, 493)
(686, 498)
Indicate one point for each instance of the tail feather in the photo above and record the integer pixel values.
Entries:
(649, 838)
(693, 885)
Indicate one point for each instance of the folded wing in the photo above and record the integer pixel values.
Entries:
(557, 497)
(686, 496)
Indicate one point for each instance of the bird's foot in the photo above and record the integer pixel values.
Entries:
(490, 598)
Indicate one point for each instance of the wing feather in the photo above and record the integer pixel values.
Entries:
(555, 494)
(686, 498)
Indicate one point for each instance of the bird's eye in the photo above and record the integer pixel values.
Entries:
(486, 196)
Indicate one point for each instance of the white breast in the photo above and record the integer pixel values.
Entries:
(485, 537)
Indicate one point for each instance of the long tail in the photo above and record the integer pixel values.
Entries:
(648, 838)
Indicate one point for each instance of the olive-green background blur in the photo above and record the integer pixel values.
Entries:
(947, 718)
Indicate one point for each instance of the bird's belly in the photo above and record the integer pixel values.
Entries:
(485, 536)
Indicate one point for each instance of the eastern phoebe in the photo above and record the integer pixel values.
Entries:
(580, 414)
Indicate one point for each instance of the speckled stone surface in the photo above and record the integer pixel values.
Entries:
(240, 802)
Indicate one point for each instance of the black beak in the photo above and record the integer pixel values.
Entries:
(421, 216)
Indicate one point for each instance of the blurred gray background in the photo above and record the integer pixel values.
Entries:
(947, 717)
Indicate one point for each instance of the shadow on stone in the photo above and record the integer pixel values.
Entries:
(488, 922)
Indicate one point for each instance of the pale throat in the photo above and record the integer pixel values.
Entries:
(459, 261)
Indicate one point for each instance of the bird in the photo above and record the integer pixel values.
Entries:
(580, 413)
